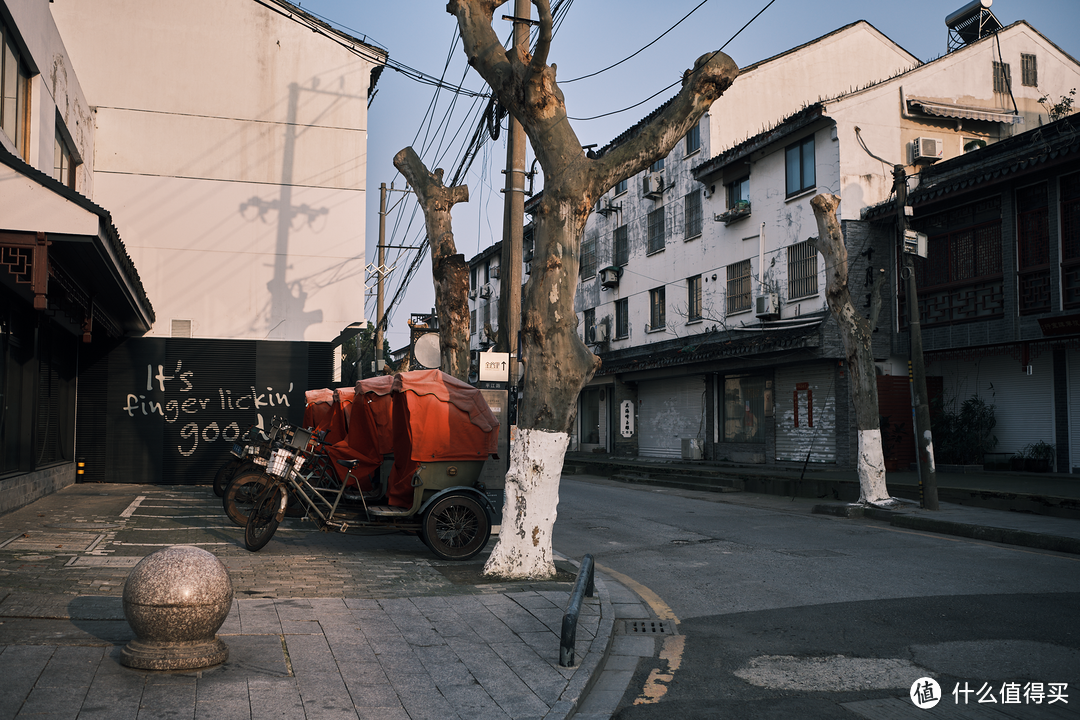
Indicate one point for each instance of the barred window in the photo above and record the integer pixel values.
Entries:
(693, 298)
(588, 258)
(656, 230)
(693, 139)
(802, 270)
(472, 322)
(1002, 78)
(657, 311)
(738, 287)
(692, 214)
(590, 325)
(622, 318)
(622, 246)
(1029, 70)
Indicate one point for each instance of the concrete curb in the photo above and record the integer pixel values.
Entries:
(1004, 536)
(588, 670)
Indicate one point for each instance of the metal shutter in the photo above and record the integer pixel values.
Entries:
(669, 410)
(797, 433)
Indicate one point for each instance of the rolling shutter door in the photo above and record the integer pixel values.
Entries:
(805, 408)
(668, 411)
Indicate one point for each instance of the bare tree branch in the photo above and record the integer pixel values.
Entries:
(543, 40)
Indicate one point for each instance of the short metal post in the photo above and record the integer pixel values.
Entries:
(584, 585)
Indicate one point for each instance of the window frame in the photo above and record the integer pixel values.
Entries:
(1029, 70)
(622, 186)
(693, 139)
(14, 121)
(657, 166)
(732, 191)
(622, 318)
(587, 265)
(655, 222)
(800, 154)
(620, 242)
(693, 298)
(657, 309)
(802, 270)
(693, 218)
(739, 287)
(1002, 78)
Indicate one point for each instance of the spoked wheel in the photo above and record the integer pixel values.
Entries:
(224, 475)
(241, 493)
(455, 527)
(264, 517)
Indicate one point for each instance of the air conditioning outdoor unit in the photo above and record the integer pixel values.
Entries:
(472, 294)
(600, 333)
(652, 186)
(691, 449)
(609, 277)
(926, 149)
(528, 268)
(495, 272)
(768, 305)
(485, 292)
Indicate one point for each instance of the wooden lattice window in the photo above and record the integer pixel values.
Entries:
(1033, 248)
(1070, 239)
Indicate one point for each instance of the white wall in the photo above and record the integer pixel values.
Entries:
(231, 150)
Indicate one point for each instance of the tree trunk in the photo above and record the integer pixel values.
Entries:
(449, 271)
(855, 331)
(557, 363)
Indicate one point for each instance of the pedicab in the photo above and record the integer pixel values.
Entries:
(439, 430)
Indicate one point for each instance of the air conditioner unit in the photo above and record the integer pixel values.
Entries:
(691, 449)
(609, 277)
(652, 186)
(495, 272)
(600, 333)
(709, 190)
(472, 294)
(768, 305)
(485, 291)
(528, 268)
(926, 149)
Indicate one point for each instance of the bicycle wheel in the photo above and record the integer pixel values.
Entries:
(225, 474)
(264, 517)
(455, 527)
(241, 493)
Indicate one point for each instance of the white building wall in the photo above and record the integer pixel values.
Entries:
(231, 151)
(54, 90)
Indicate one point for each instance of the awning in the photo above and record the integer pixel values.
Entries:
(87, 263)
(964, 112)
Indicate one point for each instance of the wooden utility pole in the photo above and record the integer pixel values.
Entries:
(513, 212)
(924, 440)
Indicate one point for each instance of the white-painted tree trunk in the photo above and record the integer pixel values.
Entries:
(872, 468)
(529, 511)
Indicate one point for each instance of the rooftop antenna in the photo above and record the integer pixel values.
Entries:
(970, 23)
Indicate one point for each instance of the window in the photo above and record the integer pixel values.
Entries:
(1070, 239)
(472, 322)
(800, 166)
(485, 318)
(590, 325)
(693, 298)
(588, 258)
(692, 214)
(657, 166)
(1033, 248)
(63, 161)
(802, 270)
(1002, 78)
(472, 278)
(620, 187)
(14, 91)
(487, 271)
(622, 246)
(693, 139)
(657, 312)
(622, 318)
(1029, 70)
(744, 409)
(656, 230)
(738, 287)
(738, 192)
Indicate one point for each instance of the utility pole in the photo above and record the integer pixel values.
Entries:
(923, 440)
(513, 212)
(380, 292)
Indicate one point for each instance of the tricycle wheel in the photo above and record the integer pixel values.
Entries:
(455, 527)
(224, 475)
(264, 518)
(241, 493)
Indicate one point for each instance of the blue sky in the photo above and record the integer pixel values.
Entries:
(593, 35)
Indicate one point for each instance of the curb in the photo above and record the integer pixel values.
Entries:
(587, 673)
(1004, 536)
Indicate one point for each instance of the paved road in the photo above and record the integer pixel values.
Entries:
(790, 615)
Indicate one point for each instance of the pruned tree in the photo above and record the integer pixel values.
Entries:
(449, 271)
(557, 362)
(855, 331)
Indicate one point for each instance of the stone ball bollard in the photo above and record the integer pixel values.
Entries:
(175, 600)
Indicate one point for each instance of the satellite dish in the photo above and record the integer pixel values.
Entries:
(426, 350)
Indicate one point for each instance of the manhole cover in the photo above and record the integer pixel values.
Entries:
(648, 627)
(71, 541)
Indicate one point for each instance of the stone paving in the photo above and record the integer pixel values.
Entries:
(322, 625)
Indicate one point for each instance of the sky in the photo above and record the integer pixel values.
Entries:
(592, 35)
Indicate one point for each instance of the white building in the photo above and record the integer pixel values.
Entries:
(716, 328)
(225, 142)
